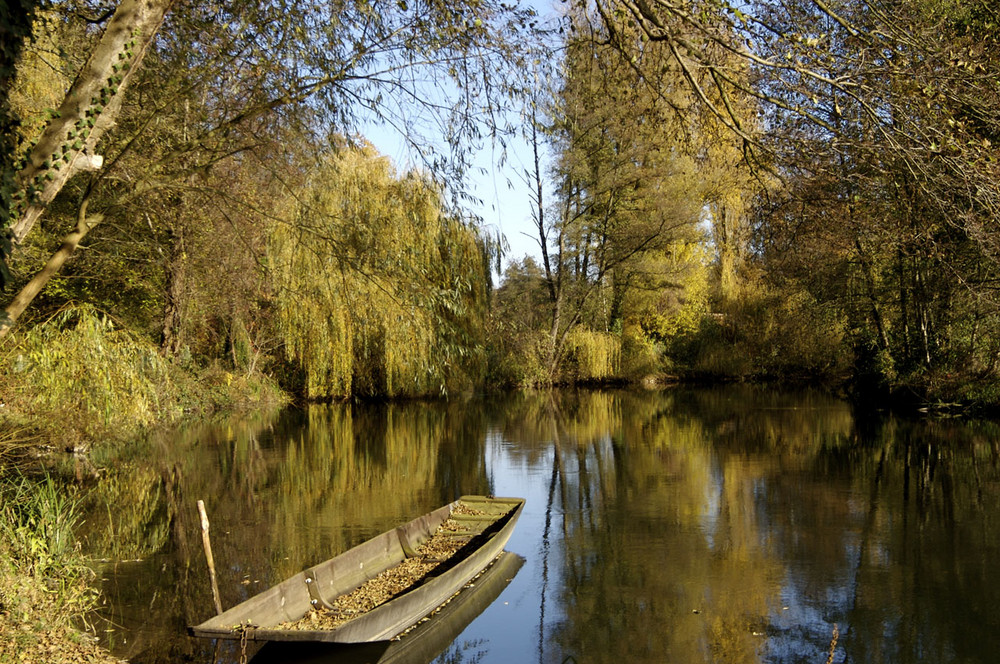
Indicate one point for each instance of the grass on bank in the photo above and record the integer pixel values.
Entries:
(44, 579)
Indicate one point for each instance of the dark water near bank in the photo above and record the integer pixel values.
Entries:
(708, 525)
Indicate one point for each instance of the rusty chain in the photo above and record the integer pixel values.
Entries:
(243, 645)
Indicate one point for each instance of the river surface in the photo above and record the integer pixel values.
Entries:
(684, 525)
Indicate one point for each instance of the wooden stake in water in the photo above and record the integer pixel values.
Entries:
(208, 555)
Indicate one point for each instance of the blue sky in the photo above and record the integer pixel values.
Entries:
(505, 197)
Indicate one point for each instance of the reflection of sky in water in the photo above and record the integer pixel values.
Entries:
(514, 624)
(528, 611)
(710, 511)
(812, 594)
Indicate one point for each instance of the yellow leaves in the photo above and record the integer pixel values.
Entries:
(592, 355)
(366, 276)
(679, 309)
(77, 362)
(39, 85)
(51, 645)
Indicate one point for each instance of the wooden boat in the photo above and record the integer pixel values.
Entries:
(261, 618)
(423, 644)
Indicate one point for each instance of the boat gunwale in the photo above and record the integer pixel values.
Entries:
(380, 622)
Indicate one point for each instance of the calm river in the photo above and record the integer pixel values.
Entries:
(685, 525)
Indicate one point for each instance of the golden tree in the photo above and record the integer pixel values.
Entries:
(379, 290)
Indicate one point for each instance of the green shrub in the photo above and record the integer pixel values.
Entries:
(79, 376)
(767, 332)
(640, 355)
(516, 356)
(590, 356)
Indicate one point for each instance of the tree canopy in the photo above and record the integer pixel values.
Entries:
(753, 189)
(378, 289)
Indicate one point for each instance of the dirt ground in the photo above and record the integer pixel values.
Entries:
(21, 643)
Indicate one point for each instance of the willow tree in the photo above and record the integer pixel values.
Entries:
(379, 290)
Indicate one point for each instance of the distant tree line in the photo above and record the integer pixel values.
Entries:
(844, 158)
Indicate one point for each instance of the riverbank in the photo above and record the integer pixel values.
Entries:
(70, 387)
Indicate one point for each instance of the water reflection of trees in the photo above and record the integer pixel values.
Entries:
(740, 525)
(734, 525)
(282, 493)
(630, 478)
(929, 542)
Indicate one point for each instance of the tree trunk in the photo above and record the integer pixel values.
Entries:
(873, 300)
(88, 110)
(616, 312)
(540, 209)
(15, 29)
(55, 263)
(729, 236)
(555, 339)
(176, 269)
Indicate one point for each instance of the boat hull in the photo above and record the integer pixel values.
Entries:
(423, 644)
(259, 618)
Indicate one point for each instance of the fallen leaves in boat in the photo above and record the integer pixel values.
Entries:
(379, 589)
(472, 582)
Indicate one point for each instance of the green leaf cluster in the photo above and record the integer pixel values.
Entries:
(80, 366)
